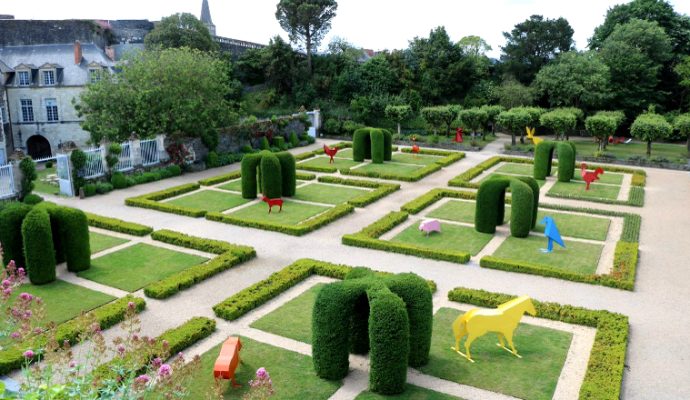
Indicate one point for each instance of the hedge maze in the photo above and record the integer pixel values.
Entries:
(490, 210)
(373, 144)
(543, 158)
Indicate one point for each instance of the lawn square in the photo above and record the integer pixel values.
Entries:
(328, 194)
(607, 177)
(234, 186)
(100, 242)
(210, 200)
(323, 161)
(577, 226)
(460, 211)
(417, 159)
(292, 319)
(293, 212)
(576, 190)
(395, 169)
(517, 169)
(411, 393)
(452, 237)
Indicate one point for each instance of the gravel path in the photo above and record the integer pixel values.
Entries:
(658, 352)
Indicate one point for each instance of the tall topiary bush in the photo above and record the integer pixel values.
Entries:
(543, 159)
(372, 143)
(250, 162)
(271, 178)
(377, 146)
(73, 228)
(38, 247)
(277, 175)
(294, 140)
(288, 169)
(28, 168)
(361, 144)
(78, 161)
(490, 209)
(11, 218)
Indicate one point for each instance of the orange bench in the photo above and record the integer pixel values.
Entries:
(228, 360)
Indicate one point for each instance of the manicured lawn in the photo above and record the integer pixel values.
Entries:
(578, 226)
(100, 242)
(328, 194)
(411, 393)
(532, 377)
(460, 211)
(452, 237)
(673, 152)
(345, 153)
(41, 186)
(210, 200)
(576, 190)
(518, 169)
(293, 213)
(497, 175)
(63, 300)
(607, 177)
(578, 257)
(292, 374)
(292, 319)
(235, 186)
(390, 168)
(323, 161)
(417, 159)
(134, 267)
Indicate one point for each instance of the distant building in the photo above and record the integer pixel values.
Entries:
(206, 17)
(6, 146)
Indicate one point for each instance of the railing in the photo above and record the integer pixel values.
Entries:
(239, 43)
(149, 152)
(44, 159)
(125, 161)
(94, 167)
(6, 181)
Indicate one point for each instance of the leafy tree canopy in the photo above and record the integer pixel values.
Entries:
(181, 30)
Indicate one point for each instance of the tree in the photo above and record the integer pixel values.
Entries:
(179, 92)
(514, 120)
(492, 113)
(512, 93)
(559, 121)
(398, 114)
(280, 65)
(440, 116)
(682, 69)
(534, 114)
(649, 127)
(682, 124)
(575, 79)
(180, 30)
(533, 43)
(474, 46)
(473, 119)
(601, 126)
(306, 21)
(635, 53)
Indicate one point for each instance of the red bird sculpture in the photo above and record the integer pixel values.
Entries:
(415, 149)
(273, 202)
(331, 151)
(589, 176)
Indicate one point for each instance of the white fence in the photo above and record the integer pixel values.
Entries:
(44, 159)
(125, 161)
(95, 165)
(149, 152)
(6, 181)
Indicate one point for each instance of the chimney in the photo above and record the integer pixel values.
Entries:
(77, 52)
(110, 52)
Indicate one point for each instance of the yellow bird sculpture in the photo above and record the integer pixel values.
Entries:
(530, 135)
(503, 321)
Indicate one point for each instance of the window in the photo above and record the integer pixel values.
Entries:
(27, 110)
(94, 75)
(49, 78)
(51, 110)
(24, 78)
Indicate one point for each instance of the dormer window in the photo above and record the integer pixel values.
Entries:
(49, 77)
(24, 78)
(94, 75)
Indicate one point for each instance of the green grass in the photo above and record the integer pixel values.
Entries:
(292, 374)
(136, 266)
(460, 211)
(63, 300)
(328, 194)
(532, 377)
(417, 159)
(394, 169)
(577, 257)
(100, 242)
(235, 186)
(323, 161)
(576, 190)
(292, 319)
(210, 200)
(607, 177)
(673, 152)
(45, 187)
(345, 153)
(577, 226)
(411, 393)
(452, 237)
(293, 213)
(517, 169)
(497, 175)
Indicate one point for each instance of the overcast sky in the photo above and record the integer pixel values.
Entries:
(373, 24)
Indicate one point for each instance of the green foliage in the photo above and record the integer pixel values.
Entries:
(490, 209)
(117, 225)
(38, 247)
(372, 143)
(189, 80)
(73, 228)
(543, 159)
(682, 125)
(440, 117)
(559, 121)
(513, 94)
(361, 144)
(220, 178)
(250, 164)
(271, 177)
(288, 171)
(11, 218)
(649, 127)
(515, 120)
(380, 189)
(601, 126)
(398, 113)
(277, 175)
(28, 168)
(450, 158)
(119, 180)
(180, 30)
(294, 140)
(152, 201)
(32, 199)
(474, 119)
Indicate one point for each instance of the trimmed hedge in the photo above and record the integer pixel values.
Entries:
(302, 176)
(361, 144)
(271, 177)
(310, 225)
(73, 227)
(604, 375)
(250, 164)
(12, 358)
(221, 178)
(325, 169)
(543, 158)
(205, 245)
(11, 218)
(288, 173)
(38, 251)
(118, 225)
(490, 209)
(275, 171)
(152, 201)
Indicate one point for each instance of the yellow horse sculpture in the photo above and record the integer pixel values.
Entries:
(503, 320)
(530, 135)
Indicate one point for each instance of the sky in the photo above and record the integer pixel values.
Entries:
(370, 24)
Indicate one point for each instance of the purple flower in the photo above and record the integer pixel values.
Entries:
(131, 304)
(20, 271)
(26, 296)
(6, 283)
(157, 362)
(72, 364)
(261, 373)
(165, 344)
(121, 349)
(15, 335)
(142, 379)
(29, 354)
(164, 370)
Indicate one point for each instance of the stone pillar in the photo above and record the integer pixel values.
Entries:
(136, 152)
(162, 154)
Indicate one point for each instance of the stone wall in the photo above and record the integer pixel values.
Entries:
(15, 32)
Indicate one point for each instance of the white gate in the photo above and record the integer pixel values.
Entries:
(125, 162)
(64, 173)
(149, 152)
(94, 167)
(6, 181)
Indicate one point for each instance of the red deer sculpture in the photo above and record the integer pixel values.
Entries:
(228, 360)
(331, 151)
(273, 202)
(589, 176)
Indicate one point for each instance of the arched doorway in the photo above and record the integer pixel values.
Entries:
(38, 147)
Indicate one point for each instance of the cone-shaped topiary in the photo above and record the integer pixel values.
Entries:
(38, 247)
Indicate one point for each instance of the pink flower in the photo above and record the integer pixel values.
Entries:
(142, 379)
(72, 364)
(26, 296)
(6, 283)
(131, 304)
(157, 362)
(165, 344)
(121, 349)
(15, 335)
(164, 370)
(261, 373)
(29, 354)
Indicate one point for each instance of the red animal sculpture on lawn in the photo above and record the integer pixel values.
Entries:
(273, 202)
(589, 176)
(331, 151)
(228, 360)
(415, 149)
(619, 140)
(458, 135)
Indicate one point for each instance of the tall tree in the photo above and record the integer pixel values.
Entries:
(682, 69)
(474, 46)
(181, 30)
(306, 21)
(575, 79)
(533, 43)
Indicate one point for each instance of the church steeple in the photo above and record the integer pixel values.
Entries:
(206, 17)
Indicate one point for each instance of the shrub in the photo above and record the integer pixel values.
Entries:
(515, 120)
(263, 143)
(212, 160)
(361, 144)
(543, 159)
(288, 169)
(559, 121)
(78, 160)
(279, 142)
(74, 237)
(28, 168)
(246, 149)
(117, 225)
(104, 187)
(682, 125)
(174, 170)
(294, 140)
(473, 119)
(11, 218)
(38, 247)
(113, 155)
(89, 189)
(250, 163)
(49, 164)
(131, 181)
(271, 177)
(32, 199)
(118, 180)
(490, 209)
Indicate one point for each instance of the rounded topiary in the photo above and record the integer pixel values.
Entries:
(271, 177)
(372, 143)
(288, 169)
(264, 144)
(294, 140)
(566, 161)
(534, 186)
(377, 146)
(543, 158)
(415, 292)
(119, 180)
(73, 227)
(521, 208)
(361, 144)
(387, 145)
(250, 162)
(389, 338)
(11, 218)
(490, 206)
(32, 199)
(38, 247)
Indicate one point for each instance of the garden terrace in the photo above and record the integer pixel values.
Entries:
(601, 246)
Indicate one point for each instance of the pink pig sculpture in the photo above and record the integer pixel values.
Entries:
(430, 225)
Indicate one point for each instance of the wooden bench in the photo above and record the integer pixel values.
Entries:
(228, 360)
